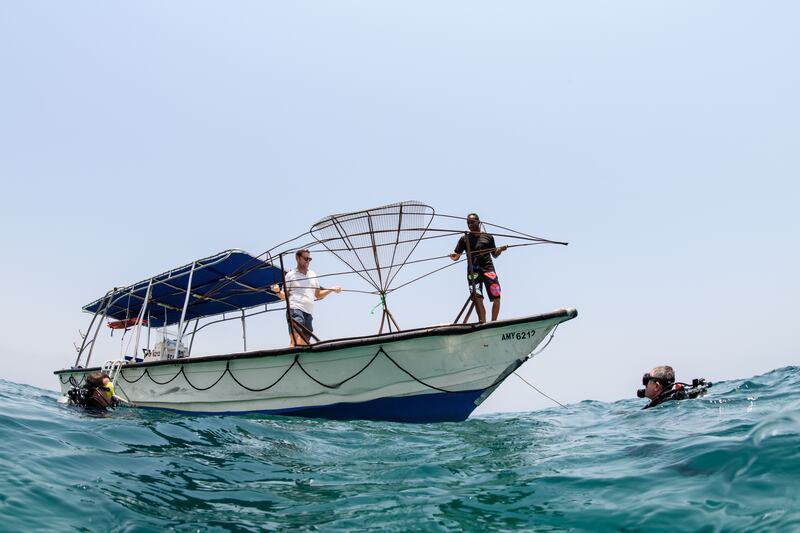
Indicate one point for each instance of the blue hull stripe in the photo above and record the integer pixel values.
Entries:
(436, 407)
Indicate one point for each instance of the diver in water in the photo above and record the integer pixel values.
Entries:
(660, 387)
(97, 392)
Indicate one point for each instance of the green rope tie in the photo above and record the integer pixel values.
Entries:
(382, 303)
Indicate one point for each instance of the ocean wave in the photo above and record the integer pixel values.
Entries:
(729, 460)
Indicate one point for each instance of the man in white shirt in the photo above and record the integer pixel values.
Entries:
(303, 290)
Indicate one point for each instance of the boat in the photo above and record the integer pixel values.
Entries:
(426, 374)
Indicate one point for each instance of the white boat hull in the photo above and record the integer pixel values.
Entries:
(433, 374)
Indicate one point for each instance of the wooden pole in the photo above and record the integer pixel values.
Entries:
(471, 298)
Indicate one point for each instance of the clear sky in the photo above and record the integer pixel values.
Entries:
(661, 139)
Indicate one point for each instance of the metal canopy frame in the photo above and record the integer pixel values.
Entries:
(229, 281)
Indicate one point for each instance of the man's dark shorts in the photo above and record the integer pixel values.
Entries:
(488, 279)
(302, 318)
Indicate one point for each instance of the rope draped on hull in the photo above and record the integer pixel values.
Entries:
(295, 363)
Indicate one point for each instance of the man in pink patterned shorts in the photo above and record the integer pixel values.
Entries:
(481, 250)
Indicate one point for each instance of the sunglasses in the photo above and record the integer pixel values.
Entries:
(308, 259)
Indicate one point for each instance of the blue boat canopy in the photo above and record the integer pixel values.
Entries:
(229, 281)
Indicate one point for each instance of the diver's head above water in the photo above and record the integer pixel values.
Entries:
(655, 382)
(660, 386)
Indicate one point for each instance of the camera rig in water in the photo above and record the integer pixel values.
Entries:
(679, 391)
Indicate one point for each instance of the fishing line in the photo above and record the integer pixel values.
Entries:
(540, 392)
(537, 352)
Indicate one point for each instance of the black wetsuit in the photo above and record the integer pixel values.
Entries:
(666, 396)
(680, 391)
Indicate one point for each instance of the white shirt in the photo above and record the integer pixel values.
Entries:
(302, 290)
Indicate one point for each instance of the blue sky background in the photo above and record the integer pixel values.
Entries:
(661, 139)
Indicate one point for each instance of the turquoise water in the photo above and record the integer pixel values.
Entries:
(728, 461)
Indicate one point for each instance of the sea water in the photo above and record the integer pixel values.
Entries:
(727, 461)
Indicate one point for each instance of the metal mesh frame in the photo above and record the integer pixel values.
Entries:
(375, 243)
